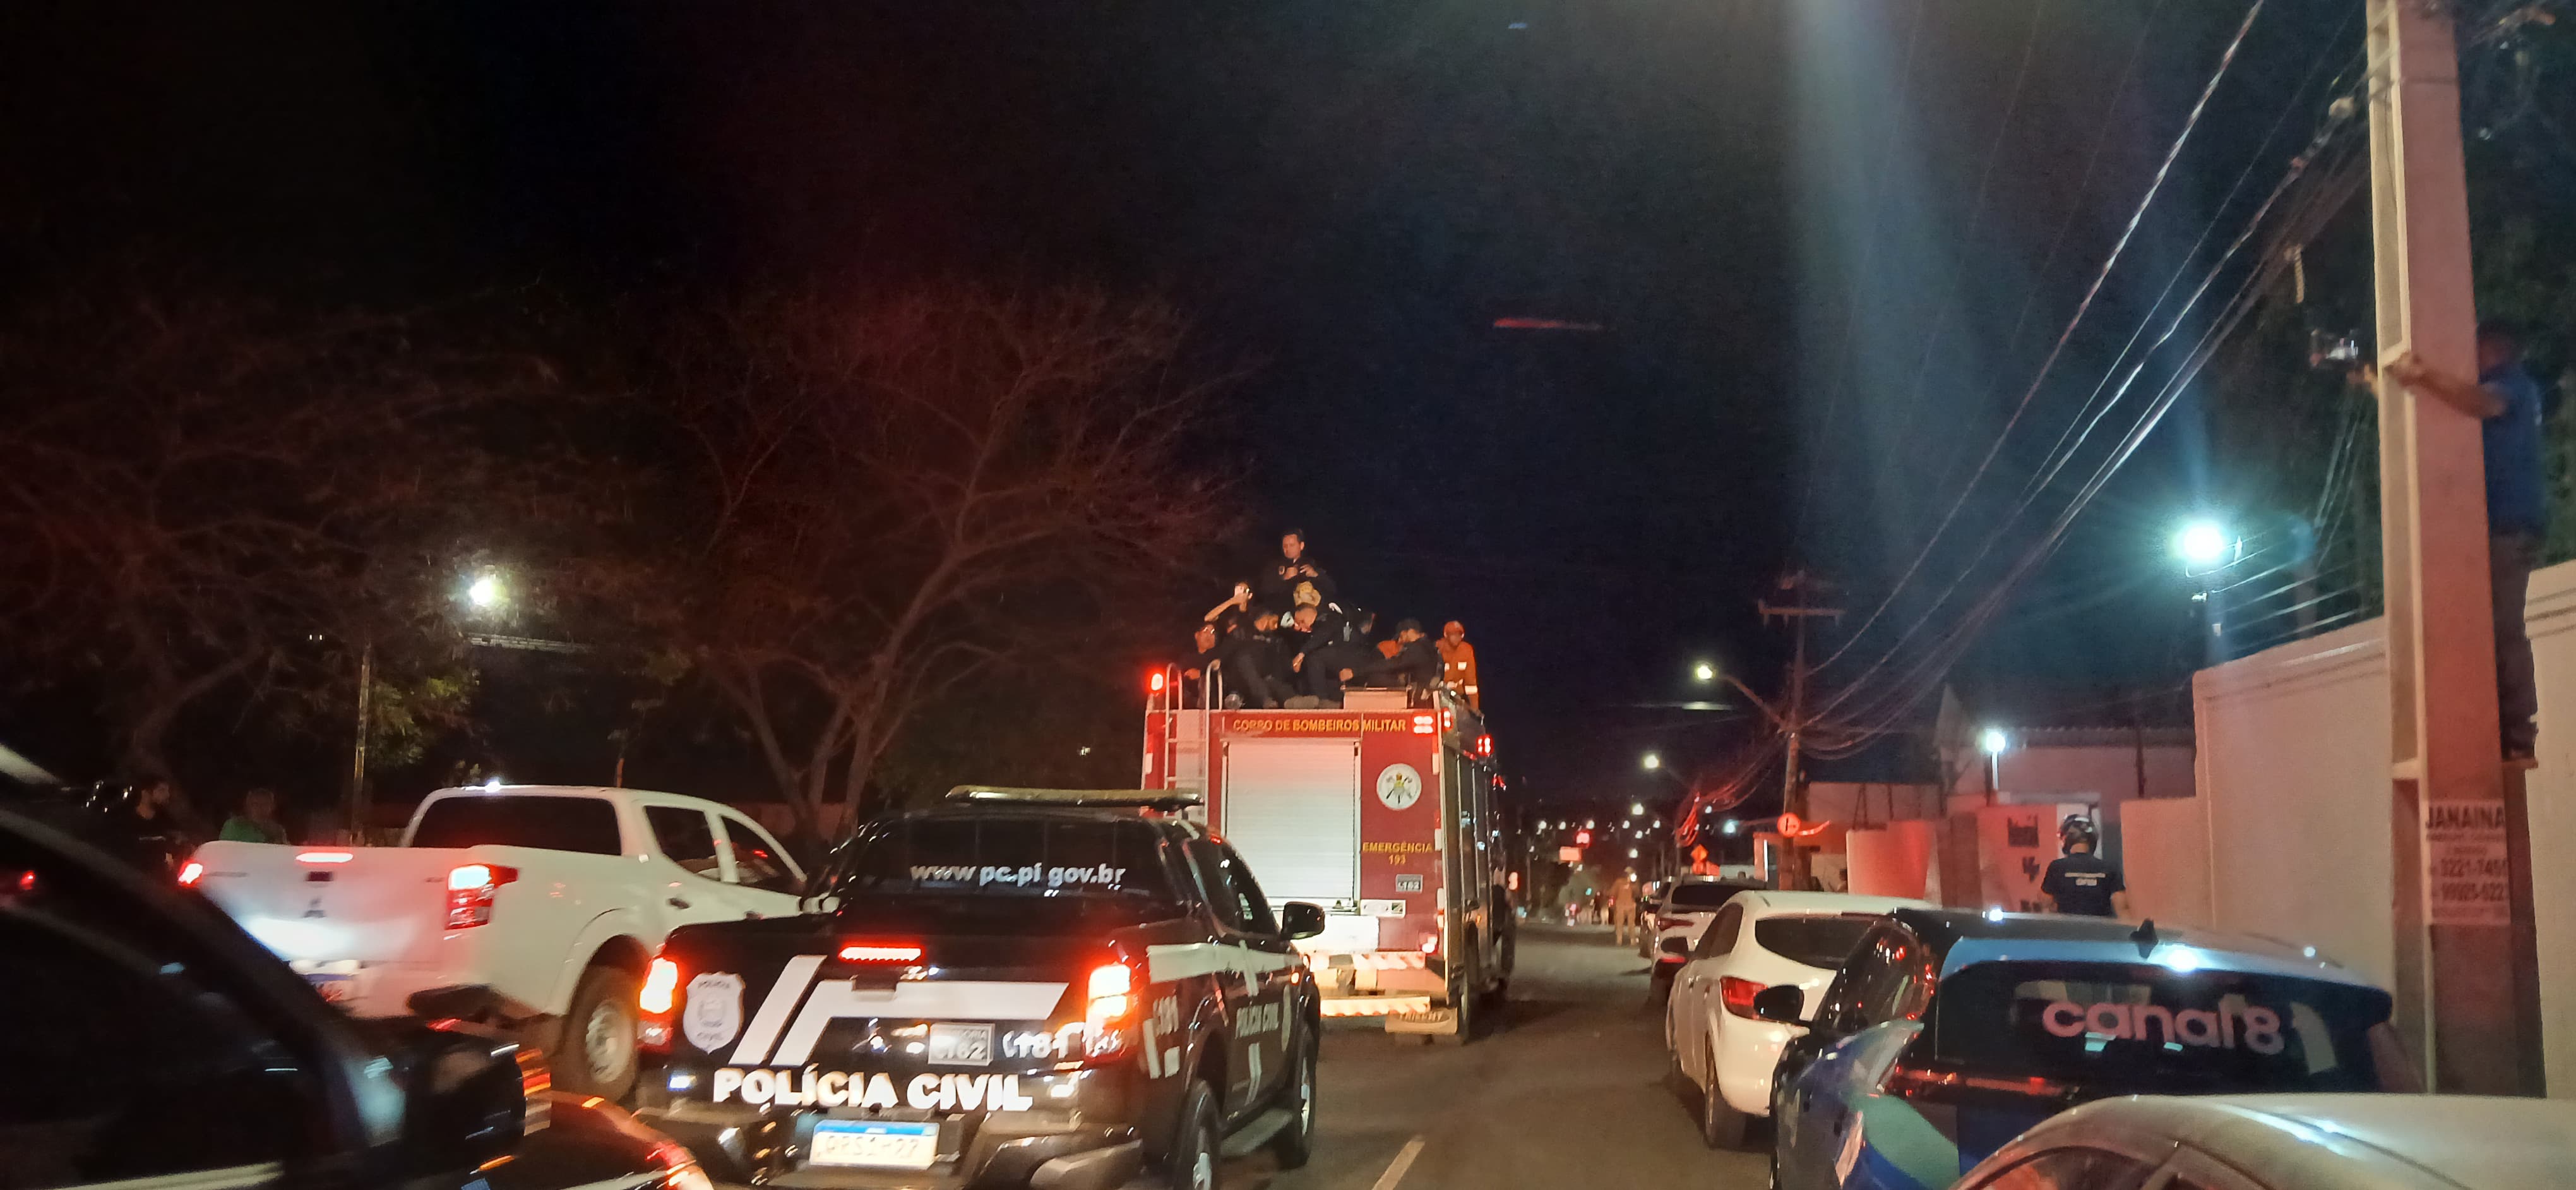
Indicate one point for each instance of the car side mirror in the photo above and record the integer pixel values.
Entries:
(1781, 1004)
(1299, 919)
(466, 1098)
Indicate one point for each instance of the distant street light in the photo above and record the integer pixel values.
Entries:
(2203, 545)
(1653, 761)
(1994, 743)
(487, 592)
(1704, 672)
(1636, 807)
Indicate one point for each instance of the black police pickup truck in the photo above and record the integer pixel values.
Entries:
(1049, 988)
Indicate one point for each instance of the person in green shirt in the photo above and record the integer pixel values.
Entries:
(256, 821)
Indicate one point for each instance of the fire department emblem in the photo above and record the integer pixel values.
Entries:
(714, 1015)
(1399, 786)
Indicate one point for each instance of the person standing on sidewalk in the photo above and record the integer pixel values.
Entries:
(2506, 401)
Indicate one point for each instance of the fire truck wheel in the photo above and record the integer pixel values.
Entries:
(1296, 1142)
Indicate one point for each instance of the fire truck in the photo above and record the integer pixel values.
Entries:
(1383, 812)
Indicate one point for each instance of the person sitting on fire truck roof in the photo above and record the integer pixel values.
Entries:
(1291, 569)
(1203, 653)
(1458, 662)
(1229, 614)
(1255, 666)
(1415, 662)
(1328, 660)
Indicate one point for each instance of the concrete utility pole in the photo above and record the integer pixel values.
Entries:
(1793, 724)
(2467, 973)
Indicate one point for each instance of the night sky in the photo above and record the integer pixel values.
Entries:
(1825, 263)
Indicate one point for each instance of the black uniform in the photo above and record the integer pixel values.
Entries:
(2083, 883)
(1416, 664)
(1277, 586)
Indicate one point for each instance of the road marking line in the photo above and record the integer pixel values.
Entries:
(1395, 1169)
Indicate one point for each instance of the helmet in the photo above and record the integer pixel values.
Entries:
(2078, 828)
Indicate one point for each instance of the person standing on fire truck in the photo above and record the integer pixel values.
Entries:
(1280, 580)
(1458, 663)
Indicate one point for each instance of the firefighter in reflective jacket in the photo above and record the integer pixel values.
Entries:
(1458, 662)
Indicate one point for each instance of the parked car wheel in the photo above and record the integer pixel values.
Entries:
(1720, 1125)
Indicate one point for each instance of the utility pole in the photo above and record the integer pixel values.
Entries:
(2467, 973)
(1793, 724)
(357, 809)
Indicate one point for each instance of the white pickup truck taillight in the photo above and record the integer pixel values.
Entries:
(469, 893)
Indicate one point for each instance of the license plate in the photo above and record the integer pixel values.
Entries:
(961, 1045)
(877, 1144)
(336, 987)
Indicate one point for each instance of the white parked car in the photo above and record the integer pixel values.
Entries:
(2292, 1142)
(1761, 938)
(555, 898)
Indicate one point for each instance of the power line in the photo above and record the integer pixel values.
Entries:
(2083, 306)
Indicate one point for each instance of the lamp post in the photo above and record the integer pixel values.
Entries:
(1994, 743)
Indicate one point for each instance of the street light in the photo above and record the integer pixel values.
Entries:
(1993, 742)
(1636, 807)
(487, 592)
(2202, 545)
(1704, 672)
(1653, 761)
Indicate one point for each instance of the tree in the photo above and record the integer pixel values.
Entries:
(895, 492)
(204, 494)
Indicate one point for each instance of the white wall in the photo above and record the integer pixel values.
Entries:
(2165, 859)
(2294, 781)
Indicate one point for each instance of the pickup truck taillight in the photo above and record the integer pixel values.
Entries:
(1111, 1007)
(469, 893)
(655, 1004)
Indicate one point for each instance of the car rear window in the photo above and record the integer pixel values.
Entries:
(1701, 896)
(1014, 857)
(1821, 941)
(583, 824)
(2116, 1028)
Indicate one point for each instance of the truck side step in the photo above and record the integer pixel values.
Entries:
(1256, 1133)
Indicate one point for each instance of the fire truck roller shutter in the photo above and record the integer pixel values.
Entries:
(1292, 810)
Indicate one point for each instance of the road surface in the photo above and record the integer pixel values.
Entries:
(1569, 1093)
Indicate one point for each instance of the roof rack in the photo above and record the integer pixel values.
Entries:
(1165, 800)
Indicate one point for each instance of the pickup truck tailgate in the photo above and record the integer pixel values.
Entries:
(336, 913)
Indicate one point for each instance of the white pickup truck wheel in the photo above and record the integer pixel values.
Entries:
(597, 1052)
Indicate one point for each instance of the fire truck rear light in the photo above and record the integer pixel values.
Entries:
(188, 877)
(881, 952)
(1484, 745)
(1425, 725)
(1154, 682)
(1448, 719)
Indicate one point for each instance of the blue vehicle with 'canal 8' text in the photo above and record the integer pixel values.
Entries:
(1948, 1033)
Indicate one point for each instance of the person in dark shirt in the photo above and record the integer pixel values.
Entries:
(2081, 882)
(1415, 663)
(2507, 403)
(1203, 653)
(1280, 580)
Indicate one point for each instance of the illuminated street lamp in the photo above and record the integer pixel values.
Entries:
(1653, 761)
(487, 592)
(1994, 743)
(2204, 545)
(1704, 672)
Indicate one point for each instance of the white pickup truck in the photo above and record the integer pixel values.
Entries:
(554, 897)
